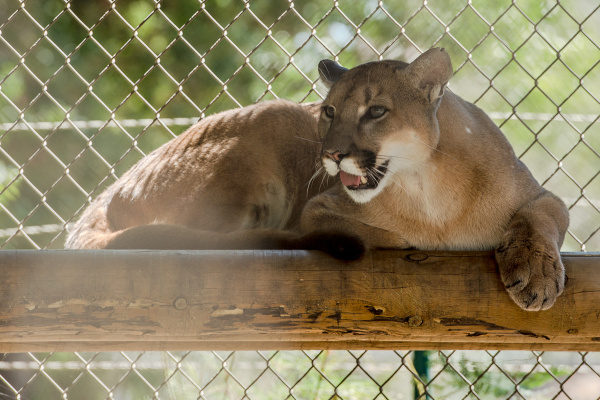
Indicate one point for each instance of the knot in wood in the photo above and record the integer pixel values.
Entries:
(415, 321)
(180, 303)
(416, 257)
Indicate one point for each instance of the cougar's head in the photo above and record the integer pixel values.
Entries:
(379, 120)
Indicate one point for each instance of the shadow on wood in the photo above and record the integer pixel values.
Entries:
(240, 300)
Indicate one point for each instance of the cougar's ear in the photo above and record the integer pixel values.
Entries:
(430, 73)
(330, 72)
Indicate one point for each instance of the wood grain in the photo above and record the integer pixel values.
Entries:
(242, 300)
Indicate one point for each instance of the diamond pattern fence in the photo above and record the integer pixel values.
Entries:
(87, 88)
(302, 375)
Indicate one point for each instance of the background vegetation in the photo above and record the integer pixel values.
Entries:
(88, 87)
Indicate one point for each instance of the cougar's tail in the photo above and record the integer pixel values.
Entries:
(93, 231)
(176, 237)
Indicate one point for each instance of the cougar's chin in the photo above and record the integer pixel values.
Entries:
(363, 188)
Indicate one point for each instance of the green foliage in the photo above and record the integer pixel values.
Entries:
(492, 378)
(10, 193)
(523, 62)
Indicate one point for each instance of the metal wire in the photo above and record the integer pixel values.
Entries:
(302, 375)
(536, 112)
(88, 88)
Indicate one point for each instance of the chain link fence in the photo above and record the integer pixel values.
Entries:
(303, 375)
(87, 88)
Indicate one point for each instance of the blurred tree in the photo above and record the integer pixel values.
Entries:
(88, 87)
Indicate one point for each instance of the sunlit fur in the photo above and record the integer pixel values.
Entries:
(261, 177)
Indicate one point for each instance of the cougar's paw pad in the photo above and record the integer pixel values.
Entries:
(338, 245)
(532, 273)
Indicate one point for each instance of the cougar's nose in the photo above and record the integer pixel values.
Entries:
(335, 156)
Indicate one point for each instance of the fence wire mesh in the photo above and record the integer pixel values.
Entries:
(302, 375)
(88, 88)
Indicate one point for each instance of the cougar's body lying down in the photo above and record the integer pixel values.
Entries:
(237, 170)
(413, 166)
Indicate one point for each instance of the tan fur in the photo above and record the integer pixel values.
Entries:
(240, 169)
(448, 179)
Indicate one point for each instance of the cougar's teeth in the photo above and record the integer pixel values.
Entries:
(363, 180)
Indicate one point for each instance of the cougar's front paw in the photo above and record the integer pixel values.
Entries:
(531, 271)
(339, 245)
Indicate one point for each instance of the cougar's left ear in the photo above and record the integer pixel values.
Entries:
(330, 72)
(430, 73)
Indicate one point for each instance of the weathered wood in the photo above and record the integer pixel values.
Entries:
(200, 300)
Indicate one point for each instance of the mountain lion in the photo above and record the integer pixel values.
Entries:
(403, 164)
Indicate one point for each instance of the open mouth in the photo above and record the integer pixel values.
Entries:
(362, 182)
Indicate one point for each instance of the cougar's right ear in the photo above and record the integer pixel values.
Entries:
(330, 72)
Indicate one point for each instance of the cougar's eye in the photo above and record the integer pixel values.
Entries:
(329, 111)
(377, 111)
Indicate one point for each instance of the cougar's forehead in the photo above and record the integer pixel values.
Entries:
(364, 84)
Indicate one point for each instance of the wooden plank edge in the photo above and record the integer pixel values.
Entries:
(71, 346)
(207, 301)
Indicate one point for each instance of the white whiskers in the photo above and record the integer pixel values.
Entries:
(387, 157)
(314, 176)
(308, 140)
(388, 173)
(434, 149)
(319, 171)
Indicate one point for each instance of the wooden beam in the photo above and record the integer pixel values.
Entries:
(241, 300)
